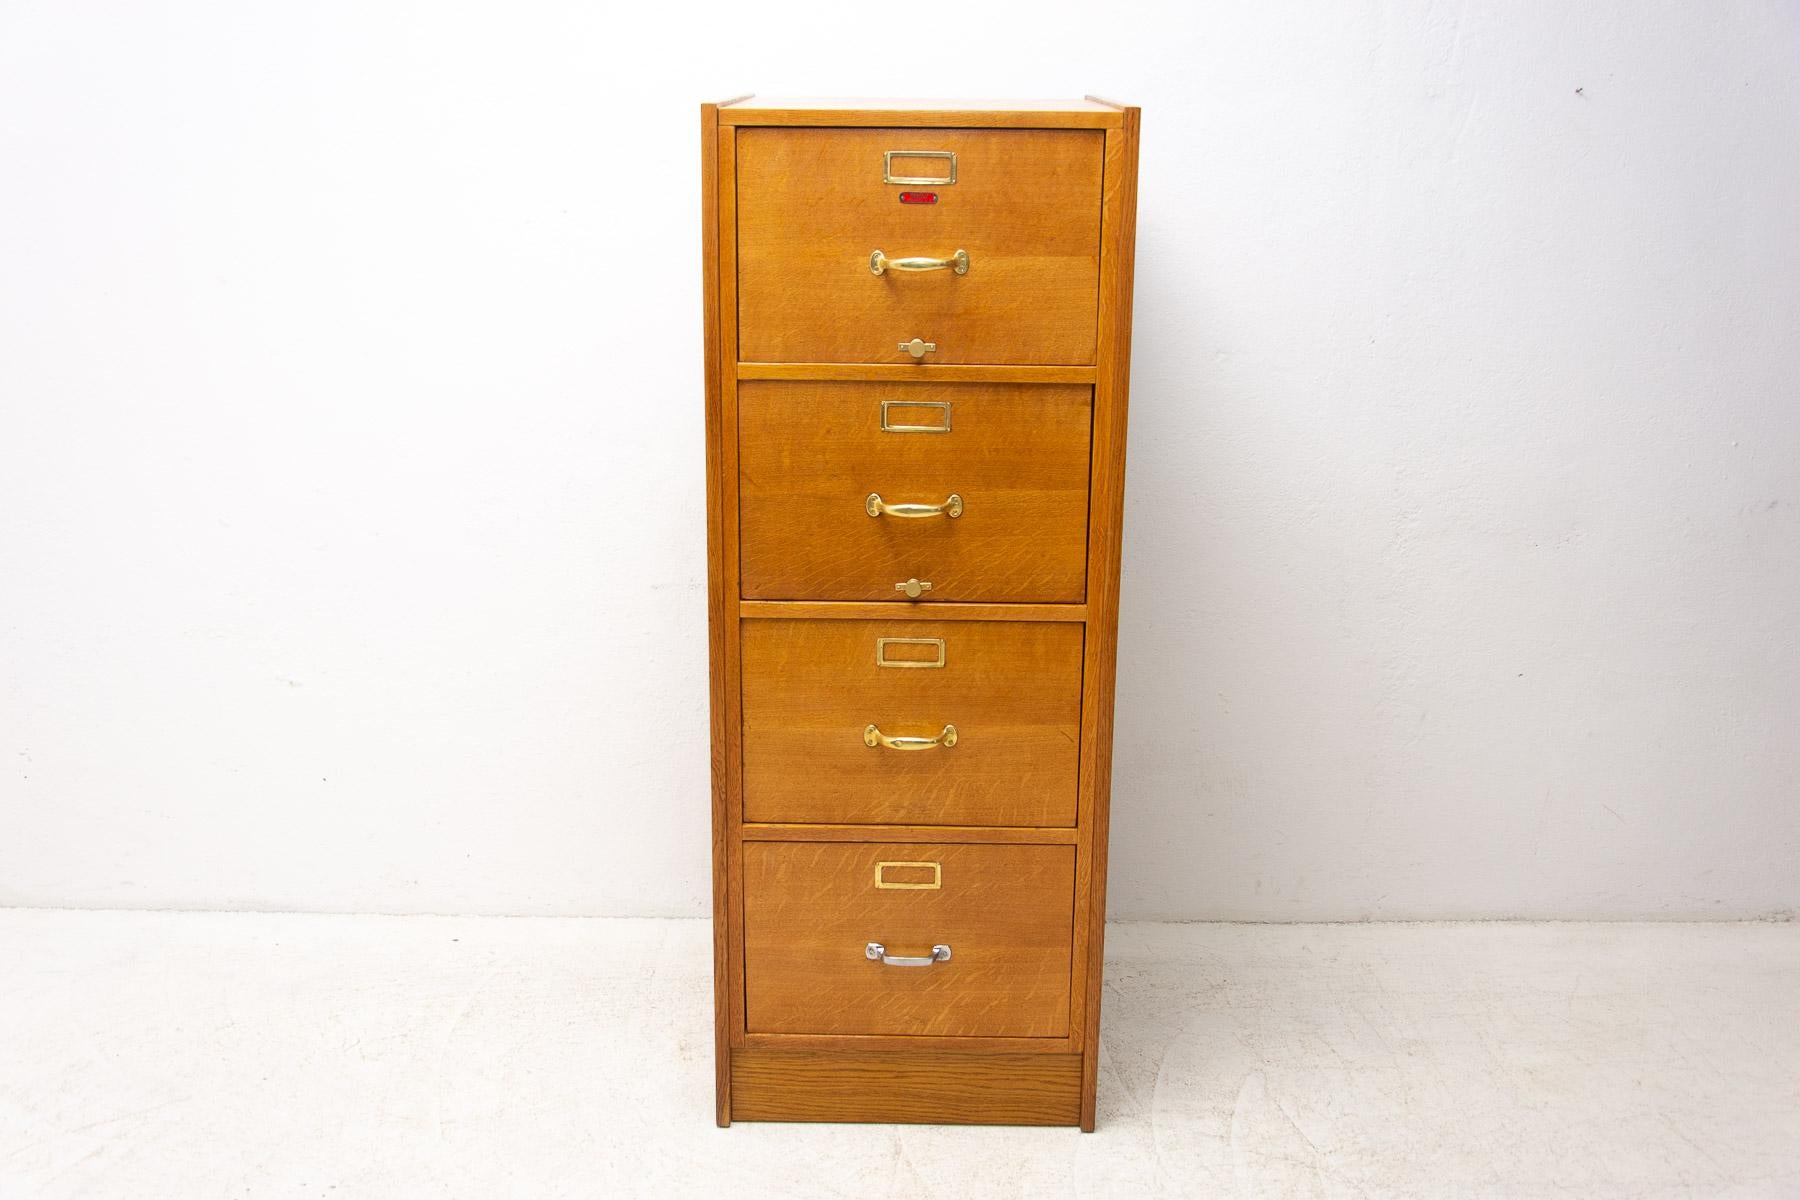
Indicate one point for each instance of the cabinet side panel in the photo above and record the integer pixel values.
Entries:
(1119, 232)
(729, 573)
(721, 615)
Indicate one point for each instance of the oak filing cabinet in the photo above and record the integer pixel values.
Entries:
(918, 327)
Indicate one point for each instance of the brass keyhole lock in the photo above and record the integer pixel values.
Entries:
(917, 348)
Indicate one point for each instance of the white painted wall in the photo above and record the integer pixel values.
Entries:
(351, 533)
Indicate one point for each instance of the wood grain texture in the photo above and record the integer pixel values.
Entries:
(721, 621)
(883, 1044)
(835, 610)
(912, 109)
(726, 199)
(991, 114)
(811, 452)
(1105, 538)
(915, 372)
(856, 118)
(812, 205)
(1013, 691)
(811, 907)
(996, 834)
(924, 1086)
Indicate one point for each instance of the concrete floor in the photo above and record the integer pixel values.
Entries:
(149, 1055)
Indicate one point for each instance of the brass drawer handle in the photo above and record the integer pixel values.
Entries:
(914, 588)
(878, 953)
(873, 737)
(881, 264)
(875, 506)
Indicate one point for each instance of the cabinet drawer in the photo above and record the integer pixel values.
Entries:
(813, 688)
(811, 911)
(814, 204)
(1015, 456)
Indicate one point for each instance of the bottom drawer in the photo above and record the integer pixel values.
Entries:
(814, 910)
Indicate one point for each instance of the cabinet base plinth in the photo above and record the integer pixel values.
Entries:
(932, 1087)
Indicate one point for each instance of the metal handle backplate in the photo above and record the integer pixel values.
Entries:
(873, 737)
(877, 952)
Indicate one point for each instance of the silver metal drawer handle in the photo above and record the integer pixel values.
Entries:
(878, 953)
(875, 506)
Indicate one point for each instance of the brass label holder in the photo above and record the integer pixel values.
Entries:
(882, 660)
(937, 877)
(944, 180)
(889, 425)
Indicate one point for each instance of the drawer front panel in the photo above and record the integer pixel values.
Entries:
(814, 204)
(813, 688)
(811, 911)
(1015, 457)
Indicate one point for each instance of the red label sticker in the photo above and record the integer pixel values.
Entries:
(918, 197)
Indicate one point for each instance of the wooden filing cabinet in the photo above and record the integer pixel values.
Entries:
(918, 327)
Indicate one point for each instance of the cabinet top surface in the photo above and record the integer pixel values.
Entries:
(914, 104)
(1087, 113)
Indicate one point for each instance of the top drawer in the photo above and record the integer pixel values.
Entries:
(813, 205)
